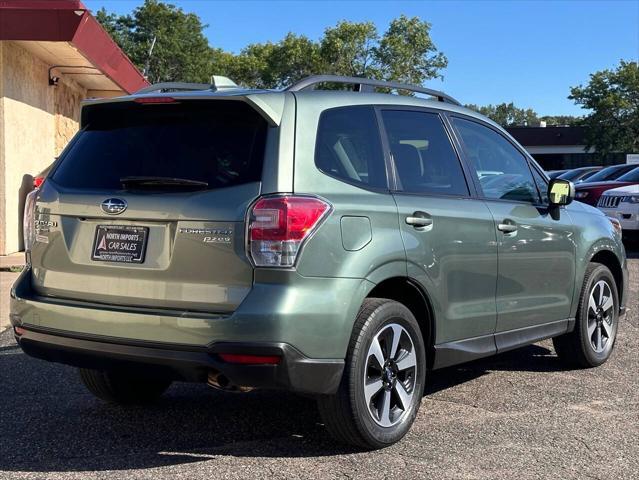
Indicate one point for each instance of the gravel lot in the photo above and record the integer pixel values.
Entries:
(518, 415)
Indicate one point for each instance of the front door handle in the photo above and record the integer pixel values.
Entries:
(507, 227)
(419, 219)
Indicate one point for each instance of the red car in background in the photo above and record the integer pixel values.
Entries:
(590, 192)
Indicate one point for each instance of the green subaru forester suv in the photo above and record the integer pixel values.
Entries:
(336, 243)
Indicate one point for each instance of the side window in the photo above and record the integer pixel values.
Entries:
(542, 185)
(349, 146)
(502, 170)
(424, 158)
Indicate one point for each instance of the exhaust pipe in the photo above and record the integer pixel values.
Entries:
(217, 380)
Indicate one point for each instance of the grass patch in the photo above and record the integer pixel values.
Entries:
(15, 269)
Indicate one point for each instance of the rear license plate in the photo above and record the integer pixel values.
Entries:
(120, 243)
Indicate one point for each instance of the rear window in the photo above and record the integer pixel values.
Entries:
(610, 173)
(631, 176)
(217, 142)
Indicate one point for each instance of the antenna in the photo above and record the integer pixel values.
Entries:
(145, 72)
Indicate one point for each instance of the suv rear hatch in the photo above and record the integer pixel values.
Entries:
(146, 206)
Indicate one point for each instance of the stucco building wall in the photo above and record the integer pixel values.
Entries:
(37, 121)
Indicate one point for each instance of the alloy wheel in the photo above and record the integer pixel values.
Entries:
(601, 316)
(389, 376)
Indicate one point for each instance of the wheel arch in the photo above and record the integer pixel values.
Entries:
(407, 292)
(610, 260)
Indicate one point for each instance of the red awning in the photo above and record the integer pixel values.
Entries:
(35, 24)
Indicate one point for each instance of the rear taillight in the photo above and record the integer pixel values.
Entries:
(28, 221)
(278, 227)
(155, 100)
(37, 182)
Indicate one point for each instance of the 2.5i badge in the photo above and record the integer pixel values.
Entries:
(120, 243)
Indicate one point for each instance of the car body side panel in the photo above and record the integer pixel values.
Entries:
(455, 261)
(324, 254)
(536, 265)
(594, 233)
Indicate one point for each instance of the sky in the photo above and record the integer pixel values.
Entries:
(526, 52)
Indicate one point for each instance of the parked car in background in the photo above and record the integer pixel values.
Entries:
(623, 204)
(591, 192)
(577, 175)
(555, 173)
(610, 173)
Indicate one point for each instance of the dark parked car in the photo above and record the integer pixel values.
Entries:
(555, 173)
(590, 192)
(610, 173)
(580, 174)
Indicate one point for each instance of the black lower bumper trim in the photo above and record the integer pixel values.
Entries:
(295, 372)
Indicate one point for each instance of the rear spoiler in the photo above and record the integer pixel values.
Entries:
(270, 105)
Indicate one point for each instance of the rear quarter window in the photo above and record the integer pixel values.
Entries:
(349, 147)
(217, 142)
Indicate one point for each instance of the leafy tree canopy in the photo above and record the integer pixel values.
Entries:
(507, 114)
(405, 52)
(559, 120)
(181, 51)
(612, 96)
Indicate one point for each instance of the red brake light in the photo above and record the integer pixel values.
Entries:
(279, 225)
(155, 100)
(37, 182)
(251, 359)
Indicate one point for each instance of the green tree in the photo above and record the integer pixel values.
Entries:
(269, 65)
(181, 51)
(350, 49)
(559, 120)
(612, 96)
(404, 53)
(407, 54)
(507, 114)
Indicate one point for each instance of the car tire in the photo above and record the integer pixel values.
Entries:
(122, 388)
(591, 342)
(376, 403)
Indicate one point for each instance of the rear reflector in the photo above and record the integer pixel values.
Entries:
(155, 100)
(37, 182)
(251, 359)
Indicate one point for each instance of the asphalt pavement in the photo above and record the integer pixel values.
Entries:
(519, 415)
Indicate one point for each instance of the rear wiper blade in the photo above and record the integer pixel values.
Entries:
(161, 182)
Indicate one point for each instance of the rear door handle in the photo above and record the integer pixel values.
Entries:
(507, 227)
(419, 221)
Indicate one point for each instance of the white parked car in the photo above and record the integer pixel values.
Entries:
(623, 204)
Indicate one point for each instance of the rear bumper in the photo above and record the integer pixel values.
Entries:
(314, 315)
(306, 322)
(294, 372)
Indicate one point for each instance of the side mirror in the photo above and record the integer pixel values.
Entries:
(560, 192)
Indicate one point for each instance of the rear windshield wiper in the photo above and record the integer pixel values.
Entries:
(149, 182)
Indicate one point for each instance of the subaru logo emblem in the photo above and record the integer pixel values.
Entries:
(113, 206)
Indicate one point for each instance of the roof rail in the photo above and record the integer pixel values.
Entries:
(217, 82)
(309, 83)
